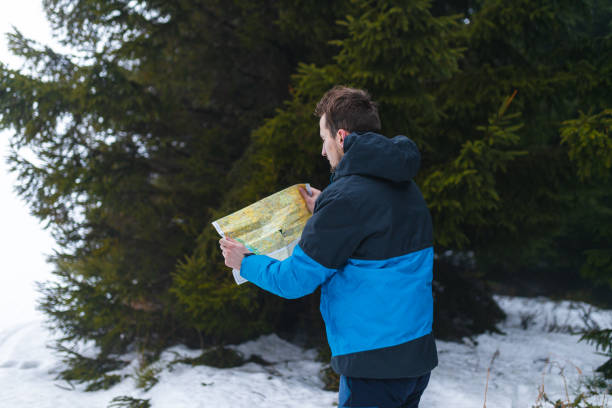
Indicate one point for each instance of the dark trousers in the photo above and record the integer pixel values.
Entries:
(387, 393)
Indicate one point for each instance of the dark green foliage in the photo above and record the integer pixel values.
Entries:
(578, 402)
(102, 383)
(595, 395)
(282, 149)
(606, 368)
(514, 51)
(589, 139)
(590, 144)
(464, 191)
(89, 370)
(220, 357)
(462, 302)
(258, 360)
(602, 339)
(331, 379)
(146, 377)
(210, 298)
(128, 402)
(485, 101)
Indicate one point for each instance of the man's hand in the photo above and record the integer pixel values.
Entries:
(310, 200)
(233, 252)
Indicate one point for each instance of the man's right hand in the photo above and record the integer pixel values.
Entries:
(310, 200)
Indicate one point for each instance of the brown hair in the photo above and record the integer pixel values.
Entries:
(348, 108)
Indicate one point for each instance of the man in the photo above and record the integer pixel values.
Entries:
(369, 245)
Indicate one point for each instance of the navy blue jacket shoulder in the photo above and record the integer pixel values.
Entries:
(369, 245)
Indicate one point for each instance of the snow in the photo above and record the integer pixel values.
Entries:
(536, 348)
(527, 358)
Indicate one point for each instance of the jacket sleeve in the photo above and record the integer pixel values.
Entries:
(292, 278)
(334, 231)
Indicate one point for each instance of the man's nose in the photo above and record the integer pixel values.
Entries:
(323, 151)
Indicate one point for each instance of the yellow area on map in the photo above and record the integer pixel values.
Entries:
(270, 224)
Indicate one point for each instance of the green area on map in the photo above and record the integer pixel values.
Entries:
(268, 224)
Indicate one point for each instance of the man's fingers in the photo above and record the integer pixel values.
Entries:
(234, 243)
(226, 242)
(304, 194)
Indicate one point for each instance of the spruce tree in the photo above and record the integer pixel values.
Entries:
(134, 136)
(484, 95)
(401, 53)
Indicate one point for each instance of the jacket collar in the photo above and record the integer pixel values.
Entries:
(372, 154)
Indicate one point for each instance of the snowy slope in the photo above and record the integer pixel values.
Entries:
(527, 358)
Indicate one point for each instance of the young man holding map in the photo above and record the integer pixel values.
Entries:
(369, 245)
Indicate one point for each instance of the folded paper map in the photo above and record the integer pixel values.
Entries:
(271, 226)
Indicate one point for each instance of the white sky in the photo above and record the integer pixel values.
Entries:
(23, 242)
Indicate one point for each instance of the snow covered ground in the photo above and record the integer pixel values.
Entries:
(534, 349)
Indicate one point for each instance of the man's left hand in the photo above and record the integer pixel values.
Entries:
(233, 252)
(309, 200)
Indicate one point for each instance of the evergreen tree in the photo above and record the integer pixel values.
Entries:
(134, 135)
(483, 94)
(557, 56)
(589, 138)
(399, 52)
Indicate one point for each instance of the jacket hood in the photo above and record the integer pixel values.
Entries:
(371, 154)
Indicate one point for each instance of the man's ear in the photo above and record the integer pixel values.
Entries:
(341, 135)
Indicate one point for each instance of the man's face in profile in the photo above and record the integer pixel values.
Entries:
(332, 147)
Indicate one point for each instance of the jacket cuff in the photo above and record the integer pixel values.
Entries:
(244, 265)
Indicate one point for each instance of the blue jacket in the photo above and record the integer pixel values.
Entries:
(369, 245)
